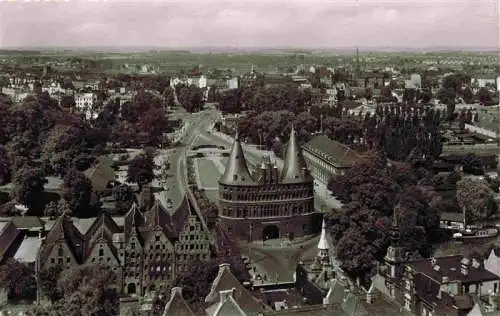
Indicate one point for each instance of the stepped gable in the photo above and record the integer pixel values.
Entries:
(226, 280)
(236, 172)
(63, 231)
(133, 220)
(156, 217)
(181, 215)
(177, 305)
(294, 170)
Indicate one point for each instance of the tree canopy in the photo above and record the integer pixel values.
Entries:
(141, 170)
(378, 200)
(77, 191)
(476, 198)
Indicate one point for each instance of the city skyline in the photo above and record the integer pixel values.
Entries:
(257, 24)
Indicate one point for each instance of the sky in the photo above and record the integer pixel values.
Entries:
(250, 23)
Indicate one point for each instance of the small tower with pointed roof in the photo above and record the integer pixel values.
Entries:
(236, 172)
(321, 270)
(294, 170)
(323, 247)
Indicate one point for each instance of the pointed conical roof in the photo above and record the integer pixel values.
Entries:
(236, 172)
(293, 164)
(323, 242)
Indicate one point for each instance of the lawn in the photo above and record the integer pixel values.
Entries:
(489, 119)
(209, 174)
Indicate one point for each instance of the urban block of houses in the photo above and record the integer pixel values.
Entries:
(451, 285)
(85, 103)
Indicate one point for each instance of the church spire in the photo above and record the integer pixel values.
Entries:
(323, 243)
(236, 171)
(323, 246)
(292, 167)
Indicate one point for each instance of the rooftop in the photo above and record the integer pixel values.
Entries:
(28, 250)
(449, 269)
(337, 153)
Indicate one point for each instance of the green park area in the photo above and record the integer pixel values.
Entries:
(489, 118)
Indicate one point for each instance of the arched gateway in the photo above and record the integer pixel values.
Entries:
(270, 232)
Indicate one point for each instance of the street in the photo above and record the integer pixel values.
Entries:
(199, 122)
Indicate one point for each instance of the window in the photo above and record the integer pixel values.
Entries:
(101, 252)
(60, 252)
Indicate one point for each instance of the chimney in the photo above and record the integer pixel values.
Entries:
(224, 266)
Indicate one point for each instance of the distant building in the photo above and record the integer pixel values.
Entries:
(200, 81)
(17, 95)
(415, 82)
(437, 286)
(233, 83)
(327, 158)
(85, 103)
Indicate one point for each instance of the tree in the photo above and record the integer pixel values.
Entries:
(68, 102)
(373, 194)
(476, 198)
(5, 174)
(472, 164)
(468, 95)
(54, 209)
(191, 97)
(62, 145)
(484, 96)
(447, 96)
(48, 282)
(77, 191)
(169, 96)
(19, 279)
(141, 170)
(146, 198)
(164, 175)
(29, 187)
(88, 290)
(124, 197)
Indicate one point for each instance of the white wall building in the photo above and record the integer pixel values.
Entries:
(85, 102)
(232, 83)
